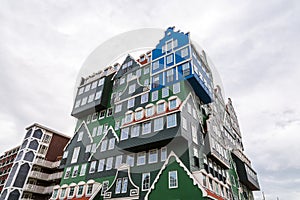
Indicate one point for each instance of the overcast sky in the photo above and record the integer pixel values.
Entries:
(253, 44)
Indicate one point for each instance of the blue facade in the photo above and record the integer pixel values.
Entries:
(175, 51)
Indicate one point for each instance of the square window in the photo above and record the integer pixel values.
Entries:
(130, 103)
(102, 114)
(141, 158)
(146, 128)
(98, 95)
(154, 95)
(124, 133)
(118, 108)
(171, 120)
(153, 156)
(165, 92)
(173, 180)
(158, 124)
(176, 88)
(94, 116)
(101, 82)
(144, 98)
(87, 87)
(94, 84)
(135, 131)
(129, 117)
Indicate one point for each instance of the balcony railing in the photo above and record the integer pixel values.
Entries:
(38, 189)
(46, 163)
(44, 176)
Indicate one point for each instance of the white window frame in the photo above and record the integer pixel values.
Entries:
(131, 89)
(124, 185)
(93, 167)
(184, 123)
(122, 80)
(91, 98)
(165, 92)
(101, 82)
(130, 160)
(169, 58)
(119, 161)
(100, 130)
(176, 88)
(148, 109)
(104, 189)
(87, 87)
(154, 95)
(135, 131)
(101, 165)
(83, 169)
(144, 176)
(80, 90)
(111, 143)
(146, 70)
(158, 124)
(153, 156)
(83, 101)
(163, 154)
(171, 186)
(141, 156)
(118, 108)
(75, 155)
(168, 120)
(68, 173)
(155, 65)
(103, 145)
(94, 85)
(77, 103)
(75, 169)
(124, 133)
(144, 98)
(130, 103)
(159, 106)
(109, 163)
(80, 136)
(139, 114)
(184, 52)
(98, 95)
(146, 130)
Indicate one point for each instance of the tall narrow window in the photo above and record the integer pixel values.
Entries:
(93, 167)
(80, 190)
(161, 107)
(109, 163)
(82, 170)
(156, 81)
(68, 172)
(154, 95)
(118, 186)
(173, 180)
(105, 185)
(169, 58)
(194, 134)
(124, 133)
(155, 65)
(118, 161)
(89, 189)
(131, 89)
(124, 184)
(149, 110)
(111, 144)
(163, 155)
(176, 88)
(71, 191)
(75, 171)
(75, 155)
(103, 145)
(101, 165)
(80, 136)
(170, 75)
(130, 103)
(145, 181)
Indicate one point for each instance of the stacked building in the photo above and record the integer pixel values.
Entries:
(6, 162)
(35, 170)
(156, 127)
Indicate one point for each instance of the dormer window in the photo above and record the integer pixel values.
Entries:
(139, 113)
(173, 103)
(149, 110)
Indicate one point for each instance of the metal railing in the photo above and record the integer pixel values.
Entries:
(44, 176)
(46, 163)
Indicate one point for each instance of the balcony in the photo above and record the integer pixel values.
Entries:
(44, 176)
(246, 174)
(46, 163)
(38, 189)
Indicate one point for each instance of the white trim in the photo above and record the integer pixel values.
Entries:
(195, 182)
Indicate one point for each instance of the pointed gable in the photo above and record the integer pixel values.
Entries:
(128, 65)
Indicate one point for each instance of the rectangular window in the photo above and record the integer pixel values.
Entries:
(159, 124)
(117, 125)
(118, 186)
(101, 165)
(103, 145)
(80, 136)
(83, 101)
(63, 192)
(184, 123)
(94, 131)
(146, 127)
(176, 88)
(75, 171)
(65, 155)
(75, 155)
(153, 156)
(77, 104)
(124, 133)
(186, 69)
(118, 108)
(89, 189)
(173, 180)
(145, 181)
(82, 170)
(130, 160)
(171, 120)
(118, 161)
(194, 134)
(131, 89)
(100, 129)
(98, 95)
(149, 111)
(130, 103)
(169, 45)
(71, 191)
(144, 98)
(80, 190)
(163, 154)
(155, 65)
(111, 144)
(109, 112)
(93, 167)
(156, 81)
(170, 75)
(165, 92)
(161, 107)
(139, 114)
(175, 43)
(102, 114)
(169, 58)
(138, 72)
(68, 172)
(109, 163)
(124, 184)
(172, 104)
(141, 158)
(54, 194)
(135, 131)
(129, 117)
(154, 95)
(105, 185)
(146, 70)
